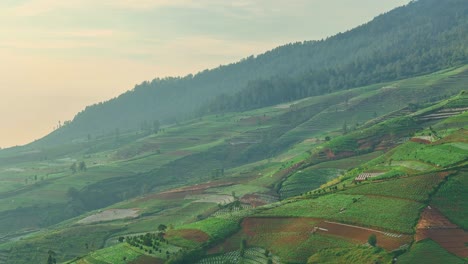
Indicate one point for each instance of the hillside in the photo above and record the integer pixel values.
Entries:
(330, 223)
(227, 176)
(420, 38)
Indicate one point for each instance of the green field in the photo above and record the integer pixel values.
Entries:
(372, 211)
(415, 188)
(305, 180)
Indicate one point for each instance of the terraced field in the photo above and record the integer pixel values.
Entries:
(364, 210)
(428, 251)
(415, 188)
(306, 180)
(251, 256)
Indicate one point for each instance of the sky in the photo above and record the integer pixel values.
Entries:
(58, 56)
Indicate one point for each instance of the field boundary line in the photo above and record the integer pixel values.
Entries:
(364, 228)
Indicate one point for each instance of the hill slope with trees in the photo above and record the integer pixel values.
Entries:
(421, 37)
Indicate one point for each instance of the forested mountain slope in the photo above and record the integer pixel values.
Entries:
(419, 38)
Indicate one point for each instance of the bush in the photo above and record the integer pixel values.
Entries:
(372, 240)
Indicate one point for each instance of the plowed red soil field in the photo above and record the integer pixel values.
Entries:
(189, 234)
(434, 225)
(388, 241)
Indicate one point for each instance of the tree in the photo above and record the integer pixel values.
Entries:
(51, 259)
(372, 240)
(73, 167)
(345, 128)
(156, 126)
(162, 227)
(82, 166)
(327, 138)
(243, 245)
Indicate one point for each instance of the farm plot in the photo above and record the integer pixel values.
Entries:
(230, 210)
(437, 227)
(189, 238)
(415, 188)
(291, 239)
(440, 155)
(251, 256)
(372, 211)
(428, 251)
(215, 227)
(452, 199)
(211, 198)
(306, 180)
(119, 254)
(386, 240)
(356, 254)
(414, 165)
(258, 199)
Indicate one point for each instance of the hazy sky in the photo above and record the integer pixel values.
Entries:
(57, 56)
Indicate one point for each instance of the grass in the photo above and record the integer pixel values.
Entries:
(428, 251)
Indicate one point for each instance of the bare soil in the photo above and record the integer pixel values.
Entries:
(434, 225)
(189, 234)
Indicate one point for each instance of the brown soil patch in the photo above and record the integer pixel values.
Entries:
(110, 215)
(254, 120)
(147, 260)
(388, 241)
(181, 193)
(253, 199)
(421, 140)
(434, 225)
(257, 225)
(433, 218)
(189, 234)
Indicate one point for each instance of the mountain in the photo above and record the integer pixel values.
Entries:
(421, 37)
(332, 154)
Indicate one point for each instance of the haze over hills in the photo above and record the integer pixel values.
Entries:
(422, 37)
(347, 150)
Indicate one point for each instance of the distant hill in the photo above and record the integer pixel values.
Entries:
(421, 37)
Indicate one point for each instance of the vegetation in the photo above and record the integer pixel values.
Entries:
(416, 188)
(360, 254)
(293, 71)
(234, 185)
